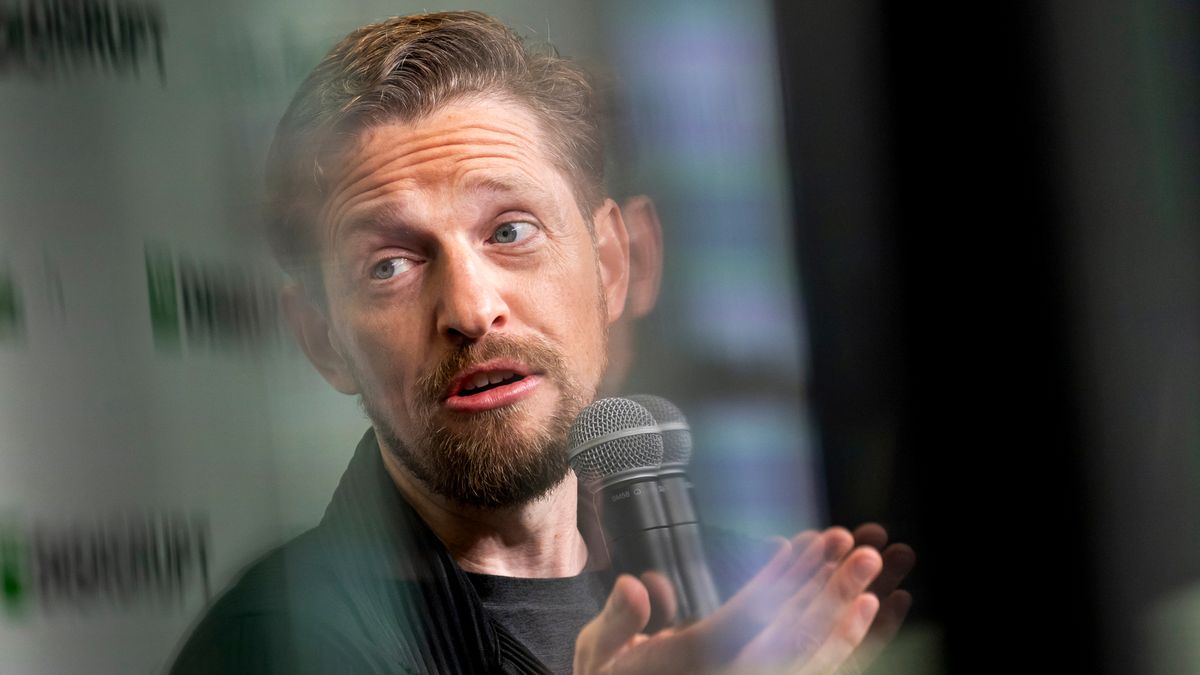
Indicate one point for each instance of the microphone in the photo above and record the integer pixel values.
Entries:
(676, 494)
(616, 450)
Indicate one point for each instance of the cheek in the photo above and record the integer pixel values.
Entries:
(379, 348)
(584, 327)
(566, 297)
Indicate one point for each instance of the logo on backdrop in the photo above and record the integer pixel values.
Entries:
(56, 38)
(209, 306)
(144, 559)
(12, 323)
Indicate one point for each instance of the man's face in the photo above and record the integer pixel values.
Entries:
(468, 301)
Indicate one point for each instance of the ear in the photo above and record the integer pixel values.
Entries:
(645, 254)
(312, 331)
(612, 252)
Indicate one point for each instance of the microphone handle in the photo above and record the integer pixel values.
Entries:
(698, 584)
(638, 535)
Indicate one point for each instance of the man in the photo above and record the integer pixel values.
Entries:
(437, 194)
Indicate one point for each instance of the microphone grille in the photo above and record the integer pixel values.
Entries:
(613, 437)
(677, 436)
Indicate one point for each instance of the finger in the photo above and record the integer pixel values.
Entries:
(805, 539)
(786, 638)
(663, 602)
(851, 579)
(807, 594)
(839, 541)
(785, 553)
(830, 546)
(813, 550)
(753, 607)
(898, 561)
(737, 622)
(847, 634)
(892, 611)
(871, 534)
(623, 617)
(727, 629)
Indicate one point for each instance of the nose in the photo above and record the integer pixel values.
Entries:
(470, 302)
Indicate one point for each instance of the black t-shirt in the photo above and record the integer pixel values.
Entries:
(544, 614)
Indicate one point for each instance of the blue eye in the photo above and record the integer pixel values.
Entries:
(386, 269)
(511, 233)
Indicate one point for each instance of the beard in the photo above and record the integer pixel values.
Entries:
(495, 458)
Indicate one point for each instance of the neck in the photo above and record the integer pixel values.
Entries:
(539, 539)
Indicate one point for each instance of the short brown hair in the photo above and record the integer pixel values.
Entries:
(408, 67)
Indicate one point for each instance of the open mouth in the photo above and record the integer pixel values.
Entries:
(492, 385)
(482, 382)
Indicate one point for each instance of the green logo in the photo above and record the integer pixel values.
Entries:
(198, 306)
(13, 571)
(164, 306)
(10, 306)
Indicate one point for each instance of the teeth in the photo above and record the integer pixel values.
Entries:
(480, 380)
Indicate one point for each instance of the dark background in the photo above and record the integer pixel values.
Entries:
(996, 215)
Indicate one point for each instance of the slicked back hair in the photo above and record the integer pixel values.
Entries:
(405, 68)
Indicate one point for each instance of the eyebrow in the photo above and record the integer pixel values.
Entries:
(507, 184)
(516, 184)
(384, 218)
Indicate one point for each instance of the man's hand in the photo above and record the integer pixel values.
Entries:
(805, 612)
(898, 561)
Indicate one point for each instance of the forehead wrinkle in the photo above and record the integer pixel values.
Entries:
(456, 119)
(381, 183)
(411, 159)
(375, 172)
(510, 181)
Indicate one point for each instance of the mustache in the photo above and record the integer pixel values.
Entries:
(536, 353)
